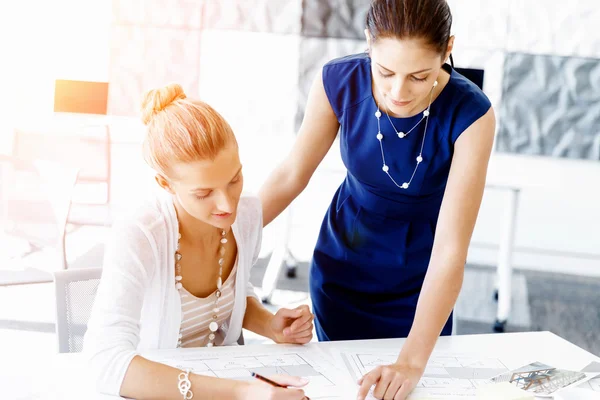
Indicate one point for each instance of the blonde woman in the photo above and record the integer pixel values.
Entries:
(176, 274)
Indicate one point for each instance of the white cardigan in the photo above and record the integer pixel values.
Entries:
(137, 306)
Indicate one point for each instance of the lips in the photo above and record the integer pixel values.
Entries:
(223, 215)
(400, 103)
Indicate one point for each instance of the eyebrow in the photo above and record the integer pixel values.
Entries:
(412, 73)
(203, 189)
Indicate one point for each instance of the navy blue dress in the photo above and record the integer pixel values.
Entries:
(375, 242)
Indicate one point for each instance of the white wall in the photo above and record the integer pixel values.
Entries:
(558, 222)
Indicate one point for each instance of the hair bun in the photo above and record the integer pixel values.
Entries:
(156, 100)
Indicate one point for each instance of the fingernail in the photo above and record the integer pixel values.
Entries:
(304, 381)
(286, 331)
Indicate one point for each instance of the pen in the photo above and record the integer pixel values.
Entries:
(267, 380)
(270, 382)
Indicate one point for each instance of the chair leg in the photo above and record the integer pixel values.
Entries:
(505, 261)
(291, 264)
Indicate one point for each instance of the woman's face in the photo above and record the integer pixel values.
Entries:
(404, 72)
(209, 190)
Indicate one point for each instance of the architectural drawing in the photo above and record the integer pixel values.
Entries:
(326, 381)
(445, 377)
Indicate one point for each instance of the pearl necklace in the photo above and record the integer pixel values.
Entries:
(214, 325)
(402, 135)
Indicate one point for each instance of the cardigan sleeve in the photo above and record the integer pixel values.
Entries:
(252, 209)
(114, 327)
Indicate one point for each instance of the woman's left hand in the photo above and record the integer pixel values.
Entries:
(393, 382)
(292, 326)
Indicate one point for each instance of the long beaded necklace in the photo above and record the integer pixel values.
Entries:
(402, 135)
(213, 326)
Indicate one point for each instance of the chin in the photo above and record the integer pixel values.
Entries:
(406, 111)
(222, 222)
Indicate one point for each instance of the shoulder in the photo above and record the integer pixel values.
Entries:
(347, 81)
(249, 208)
(348, 62)
(145, 224)
(137, 242)
(466, 104)
(249, 217)
(467, 95)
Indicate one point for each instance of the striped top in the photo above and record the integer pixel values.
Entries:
(197, 313)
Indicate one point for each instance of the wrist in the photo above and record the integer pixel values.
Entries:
(270, 332)
(413, 362)
(418, 348)
(414, 358)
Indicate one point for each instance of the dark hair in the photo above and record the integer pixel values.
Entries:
(427, 19)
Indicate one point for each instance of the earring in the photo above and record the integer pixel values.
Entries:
(435, 83)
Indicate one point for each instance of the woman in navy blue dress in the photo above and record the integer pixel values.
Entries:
(415, 137)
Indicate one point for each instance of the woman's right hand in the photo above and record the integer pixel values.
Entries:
(263, 391)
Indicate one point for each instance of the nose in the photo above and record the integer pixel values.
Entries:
(400, 90)
(226, 203)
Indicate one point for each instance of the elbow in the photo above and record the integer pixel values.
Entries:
(299, 182)
(108, 369)
(107, 364)
(291, 177)
(299, 177)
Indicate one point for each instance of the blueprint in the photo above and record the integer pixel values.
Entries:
(325, 380)
(589, 389)
(447, 376)
(591, 385)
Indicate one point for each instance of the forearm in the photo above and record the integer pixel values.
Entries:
(258, 319)
(149, 380)
(438, 296)
(278, 191)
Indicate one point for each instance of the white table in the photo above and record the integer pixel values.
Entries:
(64, 376)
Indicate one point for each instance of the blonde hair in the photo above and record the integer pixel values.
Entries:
(180, 129)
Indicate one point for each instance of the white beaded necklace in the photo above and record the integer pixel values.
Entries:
(214, 325)
(402, 135)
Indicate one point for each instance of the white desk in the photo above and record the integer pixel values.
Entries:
(64, 376)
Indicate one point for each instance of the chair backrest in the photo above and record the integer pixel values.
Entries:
(35, 199)
(75, 293)
(475, 75)
(88, 149)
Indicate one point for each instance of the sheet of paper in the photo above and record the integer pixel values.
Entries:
(327, 382)
(592, 367)
(591, 385)
(586, 390)
(447, 376)
(502, 391)
(589, 390)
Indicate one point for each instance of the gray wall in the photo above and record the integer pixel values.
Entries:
(254, 61)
